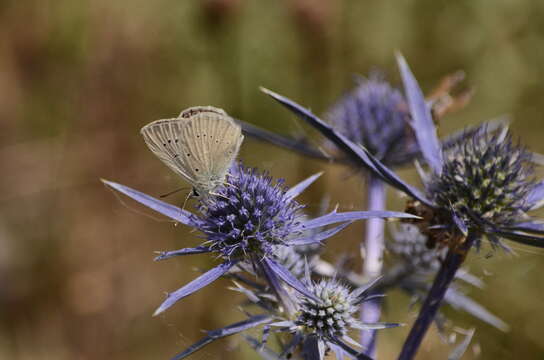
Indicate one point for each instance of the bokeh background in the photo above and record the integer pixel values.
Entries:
(79, 78)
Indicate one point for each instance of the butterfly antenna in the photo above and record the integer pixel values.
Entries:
(190, 194)
(231, 185)
(173, 192)
(230, 175)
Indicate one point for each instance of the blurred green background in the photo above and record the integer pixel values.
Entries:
(79, 78)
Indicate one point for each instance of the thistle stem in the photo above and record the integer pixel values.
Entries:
(442, 281)
(372, 254)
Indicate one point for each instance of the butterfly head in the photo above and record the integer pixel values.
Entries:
(206, 188)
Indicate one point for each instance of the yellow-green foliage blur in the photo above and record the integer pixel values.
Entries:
(79, 78)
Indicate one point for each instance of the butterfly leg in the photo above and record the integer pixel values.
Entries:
(229, 184)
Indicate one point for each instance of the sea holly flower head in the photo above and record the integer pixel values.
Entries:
(410, 245)
(322, 322)
(485, 181)
(375, 115)
(331, 314)
(483, 184)
(250, 216)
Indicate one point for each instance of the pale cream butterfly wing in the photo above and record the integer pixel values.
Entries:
(200, 145)
(163, 139)
(213, 139)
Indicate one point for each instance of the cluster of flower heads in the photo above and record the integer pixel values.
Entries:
(479, 180)
(479, 183)
(254, 220)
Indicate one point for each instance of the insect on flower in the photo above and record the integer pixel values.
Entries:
(199, 145)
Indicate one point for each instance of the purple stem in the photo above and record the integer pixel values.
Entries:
(372, 254)
(442, 281)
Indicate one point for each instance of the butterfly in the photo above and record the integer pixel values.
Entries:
(200, 145)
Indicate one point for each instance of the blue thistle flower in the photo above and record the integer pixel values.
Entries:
(376, 115)
(245, 222)
(332, 314)
(322, 322)
(409, 244)
(484, 184)
(250, 216)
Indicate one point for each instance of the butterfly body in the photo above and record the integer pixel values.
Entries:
(199, 145)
